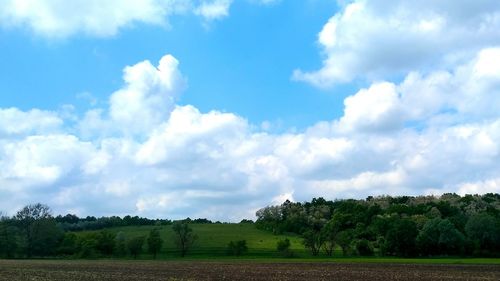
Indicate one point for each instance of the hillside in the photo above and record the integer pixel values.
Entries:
(213, 239)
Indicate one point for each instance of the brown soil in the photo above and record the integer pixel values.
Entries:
(169, 271)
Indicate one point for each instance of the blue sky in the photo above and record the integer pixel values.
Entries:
(216, 108)
(252, 54)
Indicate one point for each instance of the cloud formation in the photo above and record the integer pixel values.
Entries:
(426, 122)
(101, 18)
(432, 133)
(375, 39)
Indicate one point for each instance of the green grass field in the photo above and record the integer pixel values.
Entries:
(214, 238)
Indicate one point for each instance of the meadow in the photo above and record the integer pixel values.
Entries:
(213, 240)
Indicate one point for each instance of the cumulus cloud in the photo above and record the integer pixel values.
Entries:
(101, 18)
(16, 122)
(431, 133)
(373, 39)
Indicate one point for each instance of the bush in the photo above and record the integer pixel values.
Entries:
(237, 248)
(88, 247)
(283, 247)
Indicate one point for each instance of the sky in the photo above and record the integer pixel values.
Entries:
(216, 108)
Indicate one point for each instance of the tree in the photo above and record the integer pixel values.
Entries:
(135, 246)
(400, 240)
(363, 247)
(44, 237)
(484, 231)
(8, 241)
(329, 233)
(26, 217)
(68, 245)
(344, 240)
(237, 248)
(154, 242)
(120, 244)
(313, 240)
(88, 245)
(428, 238)
(451, 241)
(106, 243)
(184, 237)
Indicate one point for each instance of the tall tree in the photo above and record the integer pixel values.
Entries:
(154, 242)
(400, 240)
(8, 241)
(184, 237)
(26, 219)
(135, 246)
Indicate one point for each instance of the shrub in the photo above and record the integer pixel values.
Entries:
(283, 247)
(237, 248)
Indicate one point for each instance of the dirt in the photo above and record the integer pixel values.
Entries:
(186, 271)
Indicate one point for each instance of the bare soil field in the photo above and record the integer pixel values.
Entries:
(38, 270)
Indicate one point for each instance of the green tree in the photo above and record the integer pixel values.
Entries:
(400, 240)
(428, 238)
(313, 240)
(105, 243)
(344, 239)
(26, 219)
(68, 245)
(363, 247)
(184, 237)
(45, 237)
(88, 246)
(8, 241)
(154, 242)
(451, 241)
(120, 244)
(329, 233)
(135, 246)
(484, 231)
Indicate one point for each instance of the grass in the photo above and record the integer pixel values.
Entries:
(213, 239)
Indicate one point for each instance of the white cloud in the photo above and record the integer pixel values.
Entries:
(59, 18)
(375, 39)
(16, 122)
(101, 18)
(433, 132)
(148, 96)
(213, 9)
(469, 92)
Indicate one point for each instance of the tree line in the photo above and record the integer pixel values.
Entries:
(402, 226)
(34, 232)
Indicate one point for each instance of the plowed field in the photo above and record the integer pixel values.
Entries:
(11, 270)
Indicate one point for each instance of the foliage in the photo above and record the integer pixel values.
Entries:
(68, 245)
(484, 230)
(283, 247)
(237, 248)
(8, 242)
(154, 242)
(105, 243)
(184, 237)
(120, 244)
(135, 246)
(363, 247)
